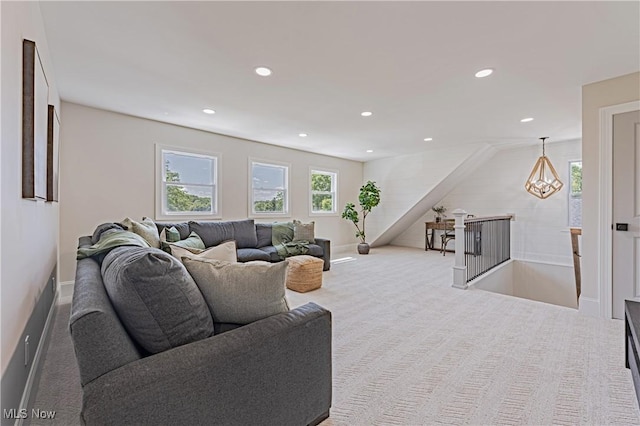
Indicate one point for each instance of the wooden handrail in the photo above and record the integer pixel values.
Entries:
(481, 219)
(575, 248)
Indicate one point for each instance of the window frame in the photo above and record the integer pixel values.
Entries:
(287, 190)
(161, 184)
(570, 195)
(323, 170)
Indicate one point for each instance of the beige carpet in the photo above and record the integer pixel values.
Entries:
(409, 350)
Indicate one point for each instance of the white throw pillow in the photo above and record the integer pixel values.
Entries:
(147, 229)
(240, 293)
(225, 252)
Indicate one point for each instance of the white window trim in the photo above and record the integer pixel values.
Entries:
(287, 198)
(160, 184)
(335, 192)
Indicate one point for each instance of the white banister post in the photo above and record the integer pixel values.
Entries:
(459, 269)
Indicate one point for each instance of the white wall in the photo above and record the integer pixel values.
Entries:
(405, 180)
(29, 228)
(540, 231)
(594, 97)
(108, 169)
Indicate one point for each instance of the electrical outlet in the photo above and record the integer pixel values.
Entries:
(26, 350)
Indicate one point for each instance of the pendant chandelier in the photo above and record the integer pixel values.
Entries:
(543, 180)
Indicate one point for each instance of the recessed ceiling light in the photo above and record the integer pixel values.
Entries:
(366, 114)
(369, 150)
(263, 71)
(526, 120)
(484, 73)
(302, 135)
(428, 139)
(208, 111)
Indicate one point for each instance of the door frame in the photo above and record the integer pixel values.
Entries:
(605, 246)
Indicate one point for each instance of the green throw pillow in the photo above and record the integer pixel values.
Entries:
(193, 241)
(172, 234)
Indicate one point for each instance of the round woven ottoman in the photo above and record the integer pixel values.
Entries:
(304, 273)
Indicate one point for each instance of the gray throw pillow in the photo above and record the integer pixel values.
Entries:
(240, 293)
(155, 297)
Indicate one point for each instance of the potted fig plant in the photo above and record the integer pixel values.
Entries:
(369, 198)
(439, 210)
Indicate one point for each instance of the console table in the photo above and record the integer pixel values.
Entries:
(430, 230)
(632, 346)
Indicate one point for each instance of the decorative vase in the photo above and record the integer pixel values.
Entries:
(363, 248)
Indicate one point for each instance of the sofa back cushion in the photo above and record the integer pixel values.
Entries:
(181, 227)
(263, 232)
(155, 297)
(244, 232)
(214, 233)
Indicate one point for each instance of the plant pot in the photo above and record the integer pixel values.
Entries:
(363, 248)
(438, 219)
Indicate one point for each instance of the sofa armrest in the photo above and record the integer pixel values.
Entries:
(273, 371)
(326, 250)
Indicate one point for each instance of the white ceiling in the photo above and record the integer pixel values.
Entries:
(411, 63)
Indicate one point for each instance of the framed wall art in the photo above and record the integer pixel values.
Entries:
(53, 148)
(35, 105)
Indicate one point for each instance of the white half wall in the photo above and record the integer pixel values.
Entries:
(108, 170)
(29, 228)
(543, 282)
(540, 231)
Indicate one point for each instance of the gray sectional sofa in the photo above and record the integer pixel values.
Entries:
(253, 240)
(274, 371)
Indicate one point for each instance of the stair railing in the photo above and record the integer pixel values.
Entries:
(481, 244)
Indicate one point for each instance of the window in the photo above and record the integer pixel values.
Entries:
(186, 184)
(575, 194)
(269, 189)
(324, 186)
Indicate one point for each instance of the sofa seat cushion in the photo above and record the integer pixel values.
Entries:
(155, 297)
(249, 254)
(315, 250)
(240, 293)
(272, 253)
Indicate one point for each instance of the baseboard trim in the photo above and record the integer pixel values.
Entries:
(36, 367)
(19, 378)
(544, 262)
(589, 306)
(343, 249)
(66, 289)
